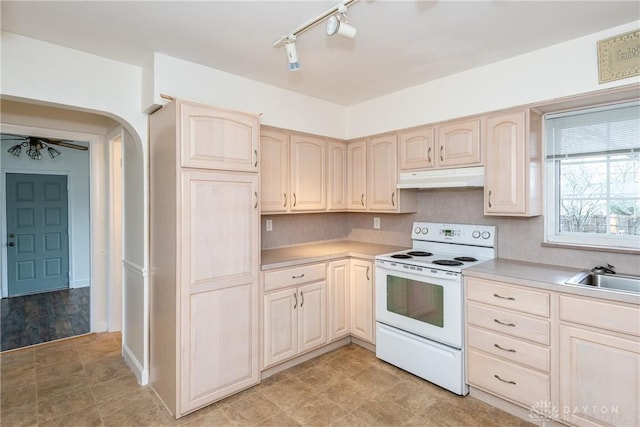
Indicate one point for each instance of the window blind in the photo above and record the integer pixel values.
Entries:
(613, 130)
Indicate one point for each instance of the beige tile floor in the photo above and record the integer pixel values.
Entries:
(84, 382)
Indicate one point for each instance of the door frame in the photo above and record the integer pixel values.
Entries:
(98, 199)
(4, 291)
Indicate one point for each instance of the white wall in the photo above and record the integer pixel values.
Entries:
(280, 107)
(74, 164)
(561, 70)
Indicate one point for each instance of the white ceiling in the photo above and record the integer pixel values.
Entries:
(399, 44)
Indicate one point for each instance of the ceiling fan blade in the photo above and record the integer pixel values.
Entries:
(65, 144)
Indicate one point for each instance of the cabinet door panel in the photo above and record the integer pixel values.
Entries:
(220, 208)
(274, 170)
(308, 176)
(337, 176)
(506, 157)
(382, 152)
(312, 316)
(417, 149)
(280, 326)
(599, 378)
(362, 303)
(214, 138)
(459, 144)
(357, 175)
(339, 299)
(220, 338)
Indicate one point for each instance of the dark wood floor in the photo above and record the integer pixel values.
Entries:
(34, 319)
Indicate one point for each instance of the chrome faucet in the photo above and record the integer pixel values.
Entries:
(599, 269)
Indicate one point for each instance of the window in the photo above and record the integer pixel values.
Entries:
(592, 168)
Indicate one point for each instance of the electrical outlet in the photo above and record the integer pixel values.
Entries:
(269, 225)
(376, 223)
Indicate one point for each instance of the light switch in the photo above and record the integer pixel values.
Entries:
(376, 223)
(269, 225)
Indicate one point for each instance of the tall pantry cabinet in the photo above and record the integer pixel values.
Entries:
(204, 248)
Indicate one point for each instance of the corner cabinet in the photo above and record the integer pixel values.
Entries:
(274, 170)
(308, 173)
(337, 176)
(357, 175)
(204, 254)
(513, 166)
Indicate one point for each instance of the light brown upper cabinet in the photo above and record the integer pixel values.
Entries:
(417, 148)
(274, 170)
(357, 175)
(293, 177)
(458, 144)
(215, 138)
(383, 173)
(513, 175)
(308, 173)
(337, 176)
(450, 145)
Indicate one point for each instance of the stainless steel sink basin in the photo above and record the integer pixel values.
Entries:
(618, 282)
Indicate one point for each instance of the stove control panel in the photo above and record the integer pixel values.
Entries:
(463, 234)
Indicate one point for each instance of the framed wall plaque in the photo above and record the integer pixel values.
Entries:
(619, 57)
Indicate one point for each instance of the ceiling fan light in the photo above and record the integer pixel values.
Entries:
(15, 150)
(53, 153)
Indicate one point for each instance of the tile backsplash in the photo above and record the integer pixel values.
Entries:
(518, 238)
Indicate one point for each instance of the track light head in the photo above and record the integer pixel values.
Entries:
(292, 55)
(338, 24)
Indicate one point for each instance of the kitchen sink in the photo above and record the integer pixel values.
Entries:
(618, 282)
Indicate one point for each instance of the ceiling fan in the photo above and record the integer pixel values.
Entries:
(34, 145)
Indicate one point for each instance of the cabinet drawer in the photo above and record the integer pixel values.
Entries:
(612, 316)
(521, 352)
(513, 382)
(294, 276)
(506, 322)
(506, 296)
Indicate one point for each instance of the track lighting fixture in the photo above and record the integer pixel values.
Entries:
(292, 54)
(336, 17)
(338, 24)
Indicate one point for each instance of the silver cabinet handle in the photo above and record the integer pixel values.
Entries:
(256, 153)
(489, 198)
(295, 297)
(362, 199)
(393, 198)
(504, 381)
(256, 205)
(368, 273)
(298, 277)
(501, 297)
(295, 200)
(301, 298)
(285, 200)
(510, 350)
(441, 153)
(504, 323)
(429, 155)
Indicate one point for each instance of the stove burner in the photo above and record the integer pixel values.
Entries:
(419, 253)
(401, 256)
(465, 259)
(446, 262)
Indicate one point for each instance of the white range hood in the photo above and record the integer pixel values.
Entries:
(443, 178)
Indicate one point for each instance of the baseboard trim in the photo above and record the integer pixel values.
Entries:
(142, 375)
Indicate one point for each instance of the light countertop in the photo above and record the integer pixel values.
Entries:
(323, 251)
(543, 276)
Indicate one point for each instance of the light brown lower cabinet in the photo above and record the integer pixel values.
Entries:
(362, 300)
(599, 369)
(577, 364)
(295, 316)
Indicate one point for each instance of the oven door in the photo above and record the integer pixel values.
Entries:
(430, 307)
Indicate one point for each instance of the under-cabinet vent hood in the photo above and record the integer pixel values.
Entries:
(443, 178)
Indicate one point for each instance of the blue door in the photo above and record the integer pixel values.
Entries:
(37, 231)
